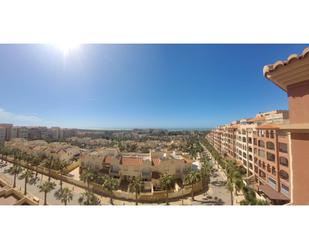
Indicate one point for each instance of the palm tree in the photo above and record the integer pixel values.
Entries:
(60, 165)
(110, 184)
(167, 182)
(49, 163)
(230, 187)
(191, 178)
(29, 177)
(15, 170)
(87, 176)
(206, 171)
(65, 195)
(88, 198)
(46, 187)
(135, 186)
(239, 184)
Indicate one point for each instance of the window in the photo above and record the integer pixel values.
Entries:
(273, 171)
(270, 157)
(272, 182)
(270, 145)
(268, 168)
(283, 161)
(261, 143)
(284, 189)
(261, 153)
(283, 147)
(272, 134)
(283, 175)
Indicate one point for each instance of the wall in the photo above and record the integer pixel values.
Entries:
(300, 157)
(298, 97)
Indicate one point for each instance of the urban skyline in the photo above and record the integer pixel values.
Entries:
(103, 86)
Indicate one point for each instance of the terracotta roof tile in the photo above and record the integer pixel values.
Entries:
(108, 160)
(293, 57)
(131, 161)
(156, 161)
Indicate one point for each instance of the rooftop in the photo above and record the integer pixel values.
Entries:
(290, 71)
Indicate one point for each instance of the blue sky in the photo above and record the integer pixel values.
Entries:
(127, 86)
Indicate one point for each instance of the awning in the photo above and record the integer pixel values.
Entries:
(272, 194)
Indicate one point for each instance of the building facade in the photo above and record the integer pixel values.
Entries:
(292, 77)
(258, 145)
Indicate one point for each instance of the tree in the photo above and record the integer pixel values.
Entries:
(192, 177)
(60, 165)
(49, 163)
(167, 183)
(110, 184)
(135, 186)
(206, 172)
(87, 176)
(29, 177)
(65, 195)
(88, 198)
(230, 187)
(46, 187)
(14, 170)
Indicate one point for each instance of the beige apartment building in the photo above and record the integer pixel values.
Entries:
(257, 145)
(273, 146)
(124, 166)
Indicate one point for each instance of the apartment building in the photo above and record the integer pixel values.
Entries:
(8, 128)
(22, 132)
(2, 134)
(260, 147)
(274, 146)
(14, 132)
(292, 77)
(124, 166)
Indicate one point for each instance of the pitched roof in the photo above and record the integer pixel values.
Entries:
(289, 72)
(293, 57)
(108, 160)
(156, 161)
(131, 161)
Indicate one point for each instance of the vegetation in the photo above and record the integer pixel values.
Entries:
(250, 198)
(206, 171)
(192, 177)
(135, 186)
(29, 178)
(88, 198)
(233, 173)
(167, 183)
(110, 184)
(193, 147)
(65, 195)
(14, 170)
(46, 187)
(87, 176)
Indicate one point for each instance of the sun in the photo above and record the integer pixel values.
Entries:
(66, 47)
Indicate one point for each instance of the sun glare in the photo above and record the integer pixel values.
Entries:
(66, 47)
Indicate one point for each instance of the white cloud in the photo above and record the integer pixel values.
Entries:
(16, 119)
